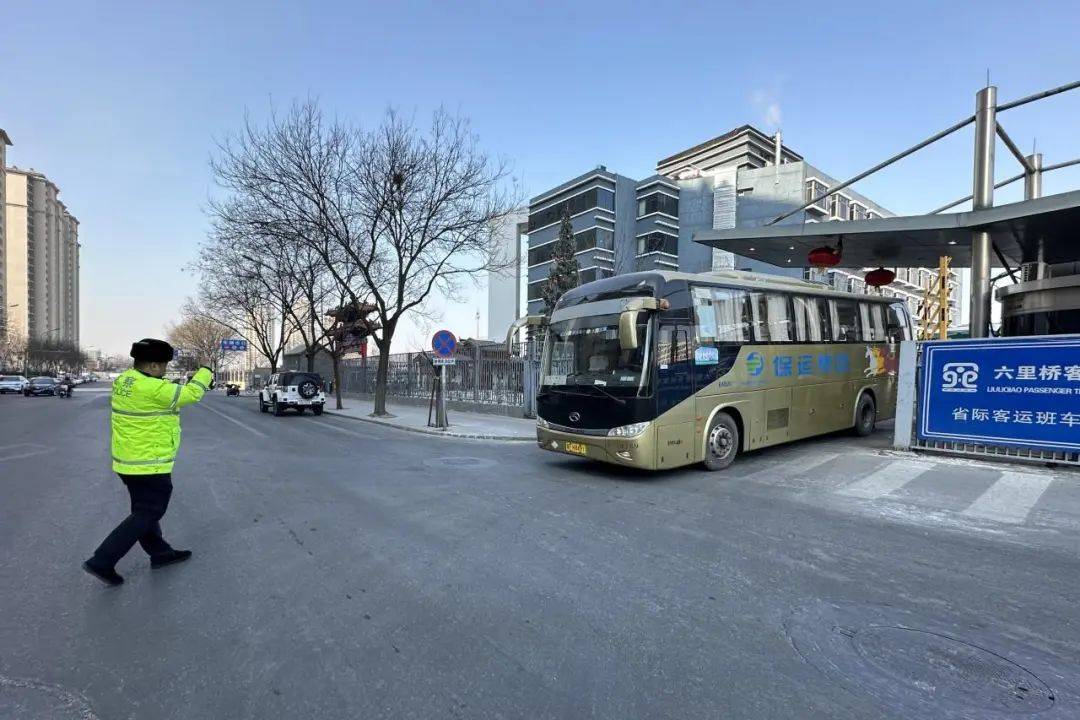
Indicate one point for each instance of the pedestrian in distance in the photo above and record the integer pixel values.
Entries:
(145, 438)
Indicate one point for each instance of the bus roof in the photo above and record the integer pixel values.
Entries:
(764, 281)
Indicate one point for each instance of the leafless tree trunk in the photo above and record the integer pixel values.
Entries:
(394, 214)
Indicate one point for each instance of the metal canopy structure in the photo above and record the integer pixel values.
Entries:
(890, 241)
(919, 240)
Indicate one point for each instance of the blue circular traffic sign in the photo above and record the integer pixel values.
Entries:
(443, 343)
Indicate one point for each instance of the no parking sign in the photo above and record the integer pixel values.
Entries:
(443, 343)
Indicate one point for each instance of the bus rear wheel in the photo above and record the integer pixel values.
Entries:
(722, 442)
(865, 415)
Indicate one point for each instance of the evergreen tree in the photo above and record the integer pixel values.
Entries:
(564, 267)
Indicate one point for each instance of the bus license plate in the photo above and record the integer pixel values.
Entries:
(576, 448)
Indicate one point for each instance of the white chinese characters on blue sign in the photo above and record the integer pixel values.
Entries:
(1022, 392)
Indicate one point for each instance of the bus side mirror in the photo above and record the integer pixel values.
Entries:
(628, 329)
(521, 322)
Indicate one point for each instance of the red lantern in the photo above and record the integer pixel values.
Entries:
(825, 256)
(880, 277)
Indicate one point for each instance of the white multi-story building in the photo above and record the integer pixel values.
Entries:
(743, 178)
(39, 258)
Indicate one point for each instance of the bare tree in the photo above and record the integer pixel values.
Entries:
(395, 214)
(430, 204)
(199, 335)
(13, 352)
(322, 298)
(245, 286)
(52, 356)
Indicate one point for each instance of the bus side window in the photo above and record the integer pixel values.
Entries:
(871, 322)
(732, 315)
(821, 307)
(771, 316)
(845, 315)
(877, 321)
(673, 345)
(680, 345)
(897, 325)
(705, 311)
(810, 318)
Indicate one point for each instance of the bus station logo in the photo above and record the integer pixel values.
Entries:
(755, 363)
(961, 377)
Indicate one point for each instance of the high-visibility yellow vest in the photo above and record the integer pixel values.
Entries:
(146, 420)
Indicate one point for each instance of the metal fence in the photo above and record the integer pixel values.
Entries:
(482, 375)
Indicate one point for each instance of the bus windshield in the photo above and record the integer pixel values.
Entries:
(585, 351)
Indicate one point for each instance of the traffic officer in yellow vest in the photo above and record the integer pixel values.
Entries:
(145, 438)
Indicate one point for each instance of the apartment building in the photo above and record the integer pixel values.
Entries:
(5, 141)
(39, 272)
(742, 178)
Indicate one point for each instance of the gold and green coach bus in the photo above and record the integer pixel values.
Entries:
(661, 369)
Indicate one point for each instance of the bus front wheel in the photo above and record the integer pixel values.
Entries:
(722, 442)
(865, 415)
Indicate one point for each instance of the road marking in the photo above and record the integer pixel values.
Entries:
(822, 460)
(247, 427)
(888, 479)
(770, 465)
(21, 450)
(331, 426)
(1011, 498)
(62, 698)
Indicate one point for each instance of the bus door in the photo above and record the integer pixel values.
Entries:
(674, 394)
(772, 322)
(819, 390)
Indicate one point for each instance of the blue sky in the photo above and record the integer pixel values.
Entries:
(119, 103)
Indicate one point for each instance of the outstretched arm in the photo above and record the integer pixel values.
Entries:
(173, 397)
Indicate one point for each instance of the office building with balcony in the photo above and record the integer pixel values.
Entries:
(743, 178)
(39, 274)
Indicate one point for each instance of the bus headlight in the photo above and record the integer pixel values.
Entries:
(628, 430)
(541, 422)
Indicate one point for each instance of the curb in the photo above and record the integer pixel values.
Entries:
(432, 431)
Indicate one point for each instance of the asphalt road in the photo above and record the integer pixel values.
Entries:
(345, 570)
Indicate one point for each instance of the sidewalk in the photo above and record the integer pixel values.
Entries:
(462, 424)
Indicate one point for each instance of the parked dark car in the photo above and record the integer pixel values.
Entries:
(40, 386)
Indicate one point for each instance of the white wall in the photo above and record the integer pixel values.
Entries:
(503, 286)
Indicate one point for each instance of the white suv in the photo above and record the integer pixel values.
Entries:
(292, 389)
(12, 383)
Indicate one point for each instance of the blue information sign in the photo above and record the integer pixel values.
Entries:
(234, 344)
(1022, 392)
(443, 343)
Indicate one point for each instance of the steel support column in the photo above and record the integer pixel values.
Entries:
(1032, 190)
(982, 195)
(1033, 180)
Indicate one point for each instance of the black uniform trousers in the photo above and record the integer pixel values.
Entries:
(149, 500)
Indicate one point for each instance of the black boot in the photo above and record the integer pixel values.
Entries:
(109, 576)
(169, 558)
